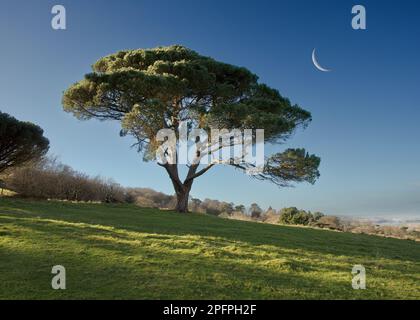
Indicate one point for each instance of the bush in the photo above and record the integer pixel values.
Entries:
(49, 179)
(299, 217)
(149, 198)
(270, 216)
(330, 222)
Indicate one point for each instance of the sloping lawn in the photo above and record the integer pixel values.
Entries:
(125, 252)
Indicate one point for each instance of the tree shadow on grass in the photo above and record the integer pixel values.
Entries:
(119, 263)
(136, 219)
(176, 276)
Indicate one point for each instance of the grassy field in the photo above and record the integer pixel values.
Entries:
(124, 252)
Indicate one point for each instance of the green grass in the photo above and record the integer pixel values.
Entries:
(124, 252)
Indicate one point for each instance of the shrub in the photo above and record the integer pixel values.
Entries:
(145, 197)
(49, 179)
(330, 222)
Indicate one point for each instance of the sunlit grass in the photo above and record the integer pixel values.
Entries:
(122, 251)
(6, 193)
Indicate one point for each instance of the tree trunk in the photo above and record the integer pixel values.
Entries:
(182, 197)
(182, 190)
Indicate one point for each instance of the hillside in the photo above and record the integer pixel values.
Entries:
(122, 251)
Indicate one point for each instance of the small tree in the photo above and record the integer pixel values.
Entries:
(287, 215)
(318, 215)
(240, 208)
(255, 211)
(227, 207)
(148, 90)
(20, 142)
(271, 216)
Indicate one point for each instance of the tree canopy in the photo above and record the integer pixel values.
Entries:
(151, 89)
(20, 142)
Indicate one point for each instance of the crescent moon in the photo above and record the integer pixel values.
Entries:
(316, 64)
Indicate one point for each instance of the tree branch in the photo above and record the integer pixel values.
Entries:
(199, 173)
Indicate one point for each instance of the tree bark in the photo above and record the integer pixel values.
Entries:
(182, 192)
(182, 197)
(182, 189)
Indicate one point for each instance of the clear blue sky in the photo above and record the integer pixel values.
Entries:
(365, 113)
